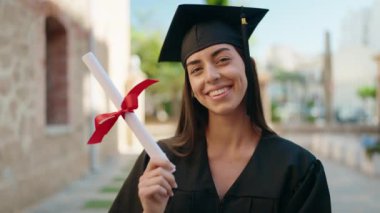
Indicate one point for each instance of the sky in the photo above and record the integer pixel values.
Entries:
(299, 24)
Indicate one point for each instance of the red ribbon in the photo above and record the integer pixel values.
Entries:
(104, 122)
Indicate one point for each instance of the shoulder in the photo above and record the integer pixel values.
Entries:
(286, 164)
(285, 148)
(286, 153)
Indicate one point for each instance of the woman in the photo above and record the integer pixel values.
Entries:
(226, 157)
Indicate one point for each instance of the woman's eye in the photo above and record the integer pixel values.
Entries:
(195, 70)
(223, 60)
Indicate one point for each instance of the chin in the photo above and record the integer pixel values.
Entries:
(224, 110)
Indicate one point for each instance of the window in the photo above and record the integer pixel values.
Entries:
(56, 73)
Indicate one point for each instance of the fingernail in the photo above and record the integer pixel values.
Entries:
(171, 194)
(173, 169)
(175, 185)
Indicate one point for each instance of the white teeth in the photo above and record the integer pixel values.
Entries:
(218, 91)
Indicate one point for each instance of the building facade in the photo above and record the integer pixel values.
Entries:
(353, 64)
(47, 96)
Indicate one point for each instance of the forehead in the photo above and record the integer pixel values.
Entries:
(206, 52)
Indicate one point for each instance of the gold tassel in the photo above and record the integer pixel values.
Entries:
(244, 21)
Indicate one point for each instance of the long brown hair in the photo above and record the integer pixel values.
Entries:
(194, 116)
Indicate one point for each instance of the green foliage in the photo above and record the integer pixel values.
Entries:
(147, 47)
(110, 189)
(310, 104)
(217, 2)
(171, 75)
(119, 179)
(286, 76)
(276, 117)
(98, 204)
(311, 118)
(365, 92)
(375, 149)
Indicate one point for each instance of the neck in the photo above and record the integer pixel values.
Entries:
(230, 131)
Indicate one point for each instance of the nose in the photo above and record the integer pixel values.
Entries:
(212, 74)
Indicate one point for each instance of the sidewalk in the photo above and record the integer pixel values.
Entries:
(96, 192)
(351, 191)
(93, 193)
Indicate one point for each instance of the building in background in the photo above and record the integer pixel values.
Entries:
(296, 86)
(297, 93)
(374, 26)
(354, 66)
(47, 96)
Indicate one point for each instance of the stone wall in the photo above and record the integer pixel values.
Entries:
(37, 159)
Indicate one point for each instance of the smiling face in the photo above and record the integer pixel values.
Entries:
(217, 78)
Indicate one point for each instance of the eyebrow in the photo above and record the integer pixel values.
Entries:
(214, 54)
(193, 62)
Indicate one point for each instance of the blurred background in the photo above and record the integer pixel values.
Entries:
(319, 71)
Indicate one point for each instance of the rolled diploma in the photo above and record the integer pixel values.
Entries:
(147, 141)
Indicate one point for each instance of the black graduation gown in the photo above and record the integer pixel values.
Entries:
(280, 177)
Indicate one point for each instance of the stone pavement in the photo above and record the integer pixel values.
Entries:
(93, 193)
(351, 190)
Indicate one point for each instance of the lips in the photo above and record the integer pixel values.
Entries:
(218, 92)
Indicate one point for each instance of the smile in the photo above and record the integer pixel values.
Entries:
(218, 92)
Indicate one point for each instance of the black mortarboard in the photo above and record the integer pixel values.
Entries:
(195, 27)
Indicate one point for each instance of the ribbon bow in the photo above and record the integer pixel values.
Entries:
(104, 122)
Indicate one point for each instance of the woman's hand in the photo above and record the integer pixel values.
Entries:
(155, 185)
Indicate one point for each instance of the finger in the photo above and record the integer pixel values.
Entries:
(154, 191)
(161, 172)
(157, 180)
(156, 162)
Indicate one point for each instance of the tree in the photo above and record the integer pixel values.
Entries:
(288, 81)
(217, 2)
(291, 88)
(171, 75)
(368, 95)
(367, 92)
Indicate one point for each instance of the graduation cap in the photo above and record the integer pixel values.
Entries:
(195, 27)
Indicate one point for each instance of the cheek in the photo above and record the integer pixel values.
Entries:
(194, 85)
(242, 78)
(244, 82)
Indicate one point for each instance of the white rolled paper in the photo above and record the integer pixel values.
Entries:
(146, 140)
